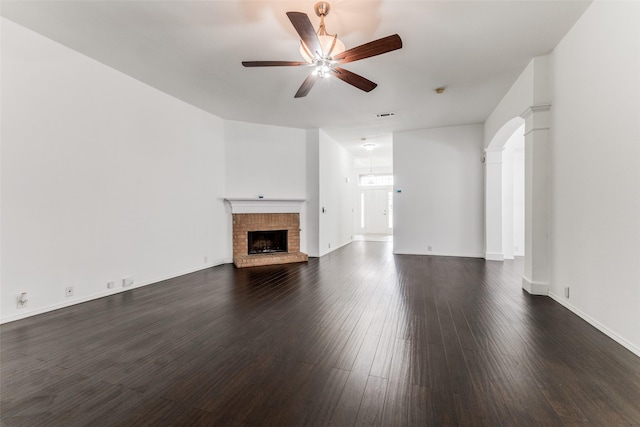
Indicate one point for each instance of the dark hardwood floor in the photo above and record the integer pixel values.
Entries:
(358, 337)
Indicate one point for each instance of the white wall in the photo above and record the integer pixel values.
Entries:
(493, 183)
(337, 188)
(102, 177)
(440, 174)
(264, 160)
(504, 119)
(310, 234)
(595, 169)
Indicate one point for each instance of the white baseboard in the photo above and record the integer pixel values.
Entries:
(477, 255)
(535, 288)
(489, 256)
(593, 322)
(328, 251)
(80, 300)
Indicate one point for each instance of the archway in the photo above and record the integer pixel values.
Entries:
(499, 192)
(513, 243)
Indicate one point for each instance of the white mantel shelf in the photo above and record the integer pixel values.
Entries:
(257, 205)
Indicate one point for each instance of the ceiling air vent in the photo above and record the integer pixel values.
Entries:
(383, 115)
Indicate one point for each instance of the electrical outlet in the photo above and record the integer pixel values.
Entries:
(68, 291)
(127, 281)
(429, 248)
(111, 285)
(566, 292)
(22, 300)
(329, 245)
(206, 260)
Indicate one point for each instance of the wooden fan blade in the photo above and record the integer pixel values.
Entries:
(307, 84)
(273, 63)
(354, 79)
(367, 50)
(303, 26)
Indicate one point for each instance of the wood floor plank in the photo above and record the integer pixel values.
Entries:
(319, 398)
(272, 405)
(348, 405)
(154, 412)
(384, 352)
(523, 403)
(358, 337)
(478, 407)
(372, 405)
(419, 364)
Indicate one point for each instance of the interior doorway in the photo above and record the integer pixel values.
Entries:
(505, 195)
(513, 222)
(374, 197)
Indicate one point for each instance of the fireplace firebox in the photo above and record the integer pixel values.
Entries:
(266, 242)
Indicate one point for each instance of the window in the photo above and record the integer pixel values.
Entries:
(371, 180)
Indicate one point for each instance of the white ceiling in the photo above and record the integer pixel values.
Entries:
(193, 51)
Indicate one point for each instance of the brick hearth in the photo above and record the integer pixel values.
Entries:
(245, 222)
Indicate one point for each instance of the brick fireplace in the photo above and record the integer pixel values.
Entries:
(266, 215)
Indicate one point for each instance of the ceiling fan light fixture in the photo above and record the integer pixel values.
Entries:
(326, 42)
(323, 69)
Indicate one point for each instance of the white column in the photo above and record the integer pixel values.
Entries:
(493, 207)
(536, 140)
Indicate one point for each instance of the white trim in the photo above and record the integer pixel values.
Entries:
(481, 256)
(537, 118)
(240, 206)
(493, 256)
(535, 109)
(334, 249)
(593, 322)
(535, 288)
(74, 301)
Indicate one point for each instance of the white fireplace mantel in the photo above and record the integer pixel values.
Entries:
(258, 205)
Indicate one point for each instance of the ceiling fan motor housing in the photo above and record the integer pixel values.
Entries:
(322, 8)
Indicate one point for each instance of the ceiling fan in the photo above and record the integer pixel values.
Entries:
(325, 52)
